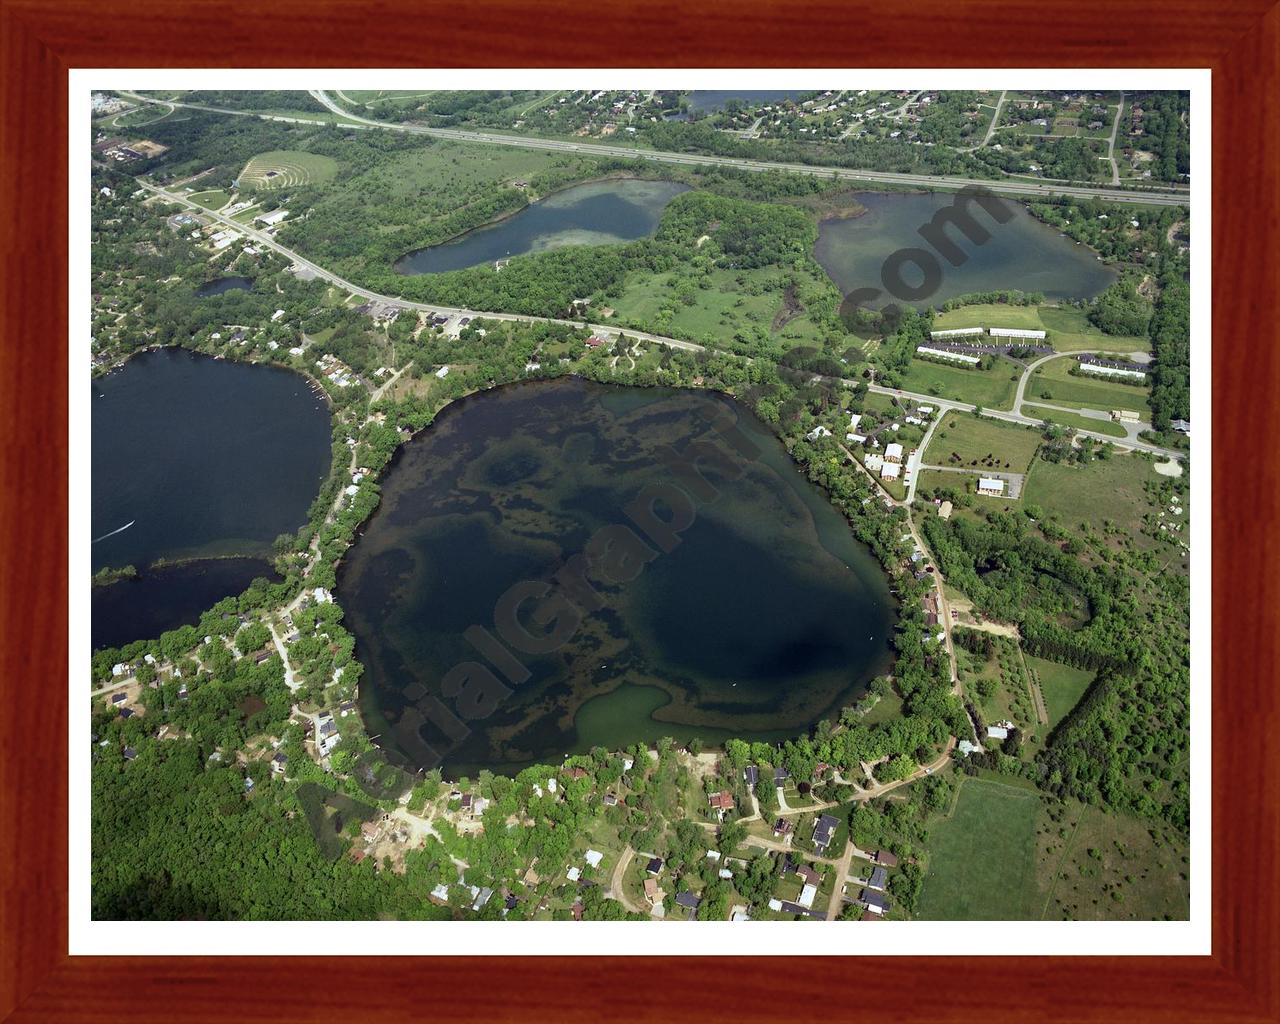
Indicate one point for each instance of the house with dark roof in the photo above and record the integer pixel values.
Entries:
(873, 901)
(782, 827)
(751, 774)
(654, 867)
(119, 698)
(780, 775)
(886, 858)
(810, 876)
(823, 829)
(130, 753)
(689, 901)
(879, 876)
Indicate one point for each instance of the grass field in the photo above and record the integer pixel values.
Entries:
(992, 389)
(1054, 382)
(1102, 489)
(213, 199)
(1070, 419)
(285, 168)
(982, 859)
(730, 314)
(1069, 329)
(973, 439)
(1062, 686)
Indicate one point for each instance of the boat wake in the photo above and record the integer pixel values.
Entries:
(114, 532)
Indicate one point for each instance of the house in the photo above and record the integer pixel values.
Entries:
(942, 353)
(594, 857)
(689, 901)
(891, 470)
(482, 897)
(879, 876)
(1181, 426)
(807, 895)
(997, 732)
(873, 462)
(1124, 416)
(130, 753)
(808, 874)
(467, 800)
(1014, 332)
(817, 432)
(443, 372)
(653, 892)
(886, 858)
(274, 217)
(477, 808)
(576, 773)
(610, 800)
(854, 419)
(713, 855)
(944, 510)
(823, 830)
(370, 831)
(853, 438)
(991, 487)
(594, 342)
(722, 801)
(574, 873)
(893, 452)
(654, 867)
(275, 317)
(126, 712)
(119, 698)
(576, 910)
(751, 774)
(780, 775)
(441, 893)
(278, 763)
(968, 747)
(782, 827)
(873, 901)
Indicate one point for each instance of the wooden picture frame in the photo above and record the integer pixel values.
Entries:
(41, 39)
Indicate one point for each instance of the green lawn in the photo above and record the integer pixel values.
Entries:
(1103, 489)
(1055, 383)
(992, 389)
(213, 199)
(982, 858)
(974, 439)
(1070, 419)
(1062, 686)
(1069, 328)
(285, 168)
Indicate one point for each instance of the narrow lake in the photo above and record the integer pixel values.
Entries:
(717, 99)
(766, 616)
(1022, 253)
(596, 213)
(195, 457)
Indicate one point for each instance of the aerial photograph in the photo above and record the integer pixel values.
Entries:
(638, 505)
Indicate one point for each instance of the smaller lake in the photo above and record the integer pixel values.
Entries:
(717, 99)
(167, 597)
(597, 213)
(224, 284)
(1022, 254)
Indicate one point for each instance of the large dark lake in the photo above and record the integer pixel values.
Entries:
(597, 213)
(192, 458)
(766, 617)
(1022, 253)
(717, 99)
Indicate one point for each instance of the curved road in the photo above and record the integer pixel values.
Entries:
(262, 238)
(1014, 188)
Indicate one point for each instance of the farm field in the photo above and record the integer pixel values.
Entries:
(1104, 489)
(982, 857)
(287, 169)
(1069, 329)
(973, 439)
(992, 389)
(1070, 419)
(1062, 686)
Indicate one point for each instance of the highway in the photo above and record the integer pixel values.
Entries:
(1019, 189)
(264, 239)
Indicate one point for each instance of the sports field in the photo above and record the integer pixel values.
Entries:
(285, 168)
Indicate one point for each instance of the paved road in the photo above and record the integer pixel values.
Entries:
(1161, 197)
(1111, 145)
(943, 404)
(1132, 430)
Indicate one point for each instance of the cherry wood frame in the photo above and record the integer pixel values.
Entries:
(41, 39)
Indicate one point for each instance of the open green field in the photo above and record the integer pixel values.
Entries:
(982, 858)
(285, 168)
(1054, 382)
(1069, 329)
(1097, 866)
(992, 389)
(213, 199)
(739, 309)
(1103, 489)
(973, 440)
(1061, 685)
(1070, 419)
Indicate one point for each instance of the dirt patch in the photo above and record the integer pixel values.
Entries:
(791, 309)
(1171, 468)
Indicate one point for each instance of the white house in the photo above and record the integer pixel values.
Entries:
(873, 462)
(443, 372)
(856, 438)
(854, 419)
(991, 486)
(807, 895)
(1111, 371)
(958, 332)
(275, 317)
(893, 452)
(817, 432)
(890, 471)
(942, 353)
(594, 857)
(274, 217)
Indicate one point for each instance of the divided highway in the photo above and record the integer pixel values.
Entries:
(264, 239)
(1024, 190)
